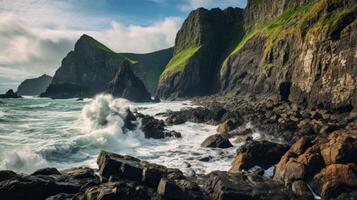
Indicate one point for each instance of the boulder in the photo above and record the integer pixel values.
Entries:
(336, 179)
(154, 128)
(10, 94)
(217, 141)
(126, 85)
(226, 127)
(258, 153)
(301, 189)
(243, 185)
(46, 172)
(7, 174)
(339, 149)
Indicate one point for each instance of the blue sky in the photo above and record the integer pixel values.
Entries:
(36, 34)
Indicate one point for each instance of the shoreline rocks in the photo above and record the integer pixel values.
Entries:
(10, 94)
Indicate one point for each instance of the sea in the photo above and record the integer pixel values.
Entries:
(40, 132)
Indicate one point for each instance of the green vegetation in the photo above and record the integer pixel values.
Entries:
(268, 67)
(97, 44)
(307, 18)
(179, 61)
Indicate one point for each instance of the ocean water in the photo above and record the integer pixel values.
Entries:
(40, 132)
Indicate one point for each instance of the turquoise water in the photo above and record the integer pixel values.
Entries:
(40, 132)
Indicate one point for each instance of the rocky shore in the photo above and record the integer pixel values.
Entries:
(310, 152)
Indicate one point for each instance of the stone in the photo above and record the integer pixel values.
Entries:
(339, 148)
(258, 153)
(225, 127)
(46, 172)
(300, 188)
(243, 185)
(336, 179)
(170, 190)
(7, 174)
(217, 141)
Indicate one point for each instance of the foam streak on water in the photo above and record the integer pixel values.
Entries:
(37, 133)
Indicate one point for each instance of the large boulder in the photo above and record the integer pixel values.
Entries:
(226, 186)
(126, 85)
(217, 141)
(258, 153)
(336, 179)
(154, 128)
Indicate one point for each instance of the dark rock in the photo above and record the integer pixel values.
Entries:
(10, 94)
(126, 85)
(154, 128)
(46, 172)
(34, 187)
(7, 174)
(169, 190)
(258, 153)
(217, 141)
(226, 127)
(301, 189)
(243, 185)
(35, 86)
(61, 196)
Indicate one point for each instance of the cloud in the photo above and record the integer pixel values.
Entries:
(141, 39)
(193, 4)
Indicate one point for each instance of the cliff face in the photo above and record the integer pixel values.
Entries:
(126, 85)
(306, 55)
(149, 66)
(88, 69)
(302, 51)
(200, 45)
(35, 86)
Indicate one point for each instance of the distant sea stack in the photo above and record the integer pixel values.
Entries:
(126, 85)
(85, 71)
(88, 69)
(9, 94)
(34, 86)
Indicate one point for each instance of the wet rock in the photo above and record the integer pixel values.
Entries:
(339, 149)
(226, 127)
(7, 174)
(46, 172)
(260, 153)
(34, 187)
(301, 189)
(154, 128)
(243, 185)
(62, 196)
(10, 94)
(170, 190)
(336, 179)
(217, 141)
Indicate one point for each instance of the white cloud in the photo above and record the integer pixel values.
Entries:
(193, 4)
(141, 39)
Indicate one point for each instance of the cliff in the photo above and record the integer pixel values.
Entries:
(88, 69)
(200, 44)
(301, 51)
(149, 66)
(35, 86)
(126, 85)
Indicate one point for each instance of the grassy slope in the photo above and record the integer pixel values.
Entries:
(179, 61)
(306, 18)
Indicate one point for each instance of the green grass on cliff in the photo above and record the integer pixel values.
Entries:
(308, 18)
(179, 61)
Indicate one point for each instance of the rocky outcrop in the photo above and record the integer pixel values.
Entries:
(85, 71)
(9, 94)
(88, 69)
(329, 163)
(126, 85)
(202, 41)
(35, 86)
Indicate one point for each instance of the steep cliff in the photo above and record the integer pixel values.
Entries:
(306, 55)
(126, 85)
(149, 66)
(88, 69)
(303, 51)
(34, 86)
(201, 43)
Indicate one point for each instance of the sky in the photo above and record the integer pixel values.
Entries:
(35, 35)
